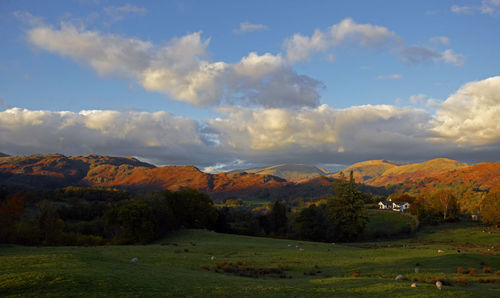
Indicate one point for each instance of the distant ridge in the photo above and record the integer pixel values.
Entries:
(378, 176)
(366, 170)
(290, 172)
(3, 154)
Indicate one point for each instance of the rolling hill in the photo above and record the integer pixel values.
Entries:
(378, 177)
(56, 170)
(366, 170)
(415, 171)
(290, 172)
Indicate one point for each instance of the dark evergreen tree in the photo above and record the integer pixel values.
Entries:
(278, 218)
(345, 211)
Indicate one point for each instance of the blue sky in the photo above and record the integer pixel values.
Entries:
(365, 79)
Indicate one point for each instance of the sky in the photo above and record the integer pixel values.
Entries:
(238, 84)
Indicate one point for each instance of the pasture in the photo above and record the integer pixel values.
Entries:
(181, 265)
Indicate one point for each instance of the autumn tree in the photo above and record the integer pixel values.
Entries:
(50, 224)
(490, 208)
(10, 212)
(446, 203)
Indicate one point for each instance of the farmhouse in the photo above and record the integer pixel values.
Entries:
(400, 206)
(475, 216)
(385, 205)
(395, 206)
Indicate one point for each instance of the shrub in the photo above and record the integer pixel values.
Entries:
(472, 272)
(205, 267)
(356, 273)
(463, 280)
(497, 272)
(460, 270)
(487, 270)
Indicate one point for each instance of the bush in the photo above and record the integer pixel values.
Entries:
(487, 270)
(463, 280)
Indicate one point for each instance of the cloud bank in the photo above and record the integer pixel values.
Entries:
(466, 122)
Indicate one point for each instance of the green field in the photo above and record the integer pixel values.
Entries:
(387, 223)
(173, 267)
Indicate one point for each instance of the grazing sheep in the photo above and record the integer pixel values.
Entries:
(289, 245)
(301, 249)
(417, 270)
(439, 284)
(414, 285)
(134, 260)
(213, 258)
(399, 277)
(440, 251)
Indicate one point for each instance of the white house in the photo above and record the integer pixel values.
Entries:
(384, 205)
(395, 206)
(400, 206)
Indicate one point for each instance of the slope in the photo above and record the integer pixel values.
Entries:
(366, 170)
(290, 172)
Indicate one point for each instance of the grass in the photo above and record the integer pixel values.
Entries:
(166, 269)
(387, 223)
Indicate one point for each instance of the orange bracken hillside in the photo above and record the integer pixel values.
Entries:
(366, 170)
(56, 170)
(415, 171)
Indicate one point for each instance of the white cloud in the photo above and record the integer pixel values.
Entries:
(440, 39)
(420, 54)
(418, 99)
(300, 47)
(108, 55)
(180, 68)
(249, 27)
(450, 57)
(28, 18)
(160, 134)
(119, 12)
(395, 76)
(490, 7)
(470, 116)
(465, 124)
(461, 9)
(317, 130)
(256, 66)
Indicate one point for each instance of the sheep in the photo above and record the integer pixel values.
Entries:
(213, 258)
(301, 249)
(134, 260)
(399, 277)
(439, 284)
(414, 285)
(440, 251)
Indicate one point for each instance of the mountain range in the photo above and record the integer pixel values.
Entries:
(281, 181)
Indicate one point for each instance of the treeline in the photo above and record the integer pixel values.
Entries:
(443, 205)
(336, 217)
(80, 216)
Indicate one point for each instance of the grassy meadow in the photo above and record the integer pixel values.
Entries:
(181, 265)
